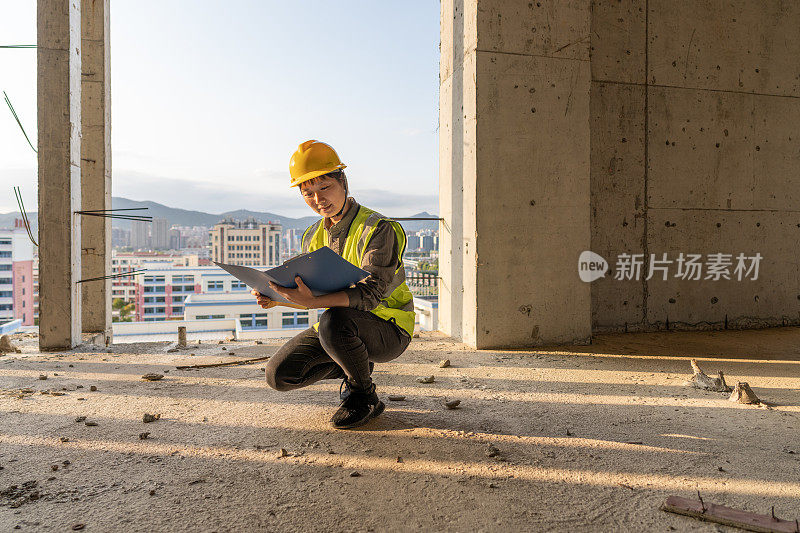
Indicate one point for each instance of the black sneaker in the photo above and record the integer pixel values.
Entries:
(357, 407)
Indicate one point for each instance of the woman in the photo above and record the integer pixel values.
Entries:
(371, 321)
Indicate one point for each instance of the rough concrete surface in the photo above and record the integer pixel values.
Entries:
(587, 439)
(694, 149)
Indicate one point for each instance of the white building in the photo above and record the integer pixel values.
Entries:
(17, 289)
(250, 316)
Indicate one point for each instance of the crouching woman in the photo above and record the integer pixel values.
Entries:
(367, 323)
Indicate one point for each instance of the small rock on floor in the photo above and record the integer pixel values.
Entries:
(145, 435)
(42, 376)
(6, 346)
(282, 452)
(90, 423)
(152, 376)
(397, 397)
(452, 404)
(428, 379)
(444, 363)
(354, 474)
(93, 388)
(492, 451)
(147, 417)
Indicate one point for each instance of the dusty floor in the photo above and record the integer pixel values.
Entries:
(588, 440)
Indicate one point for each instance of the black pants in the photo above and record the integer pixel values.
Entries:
(348, 340)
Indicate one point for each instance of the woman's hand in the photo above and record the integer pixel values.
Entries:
(262, 300)
(301, 295)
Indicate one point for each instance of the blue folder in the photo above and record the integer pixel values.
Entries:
(323, 271)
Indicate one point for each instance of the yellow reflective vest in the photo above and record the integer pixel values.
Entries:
(397, 303)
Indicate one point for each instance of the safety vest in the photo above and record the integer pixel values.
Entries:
(397, 303)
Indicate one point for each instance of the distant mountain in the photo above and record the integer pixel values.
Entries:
(410, 225)
(184, 217)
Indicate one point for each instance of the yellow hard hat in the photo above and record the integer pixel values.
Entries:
(312, 159)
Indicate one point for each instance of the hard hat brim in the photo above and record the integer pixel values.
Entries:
(315, 174)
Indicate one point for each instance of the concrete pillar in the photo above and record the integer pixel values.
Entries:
(514, 171)
(59, 117)
(96, 165)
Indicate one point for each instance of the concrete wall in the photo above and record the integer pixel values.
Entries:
(695, 110)
(514, 171)
(617, 126)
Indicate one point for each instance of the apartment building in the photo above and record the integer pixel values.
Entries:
(17, 275)
(125, 286)
(247, 243)
(160, 293)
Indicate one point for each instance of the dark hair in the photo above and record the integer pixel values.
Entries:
(338, 175)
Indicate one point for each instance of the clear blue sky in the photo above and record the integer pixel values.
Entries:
(210, 99)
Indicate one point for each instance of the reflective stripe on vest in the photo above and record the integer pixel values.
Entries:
(397, 303)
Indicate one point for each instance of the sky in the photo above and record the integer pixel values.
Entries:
(210, 99)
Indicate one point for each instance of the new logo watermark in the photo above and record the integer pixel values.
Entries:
(694, 267)
(591, 266)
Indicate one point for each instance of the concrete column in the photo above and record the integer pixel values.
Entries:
(96, 165)
(59, 117)
(514, 171)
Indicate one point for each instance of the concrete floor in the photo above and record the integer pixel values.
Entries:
(588, 439)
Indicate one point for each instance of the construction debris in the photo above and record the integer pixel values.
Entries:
(6, 346)
(444, 363)
(428, 379)
(702, 381)
(144, 435)
(229, 363)
(742, 393)
(491, 450)
(147, 418)
(711, 512)
(152, 376)
(90, 423)
(20, 495)
(452, 404)
(43, 376)
(182, 336)
(397, 397)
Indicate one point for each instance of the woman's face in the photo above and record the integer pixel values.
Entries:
(324, 195)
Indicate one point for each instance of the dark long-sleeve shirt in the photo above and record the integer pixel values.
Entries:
(380, 259)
